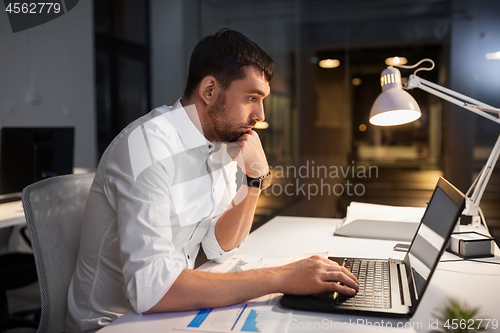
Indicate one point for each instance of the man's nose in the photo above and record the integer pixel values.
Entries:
(258, 112)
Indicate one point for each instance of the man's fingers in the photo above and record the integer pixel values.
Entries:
(341, 289)
(325, 260)
(233, 150)
(317, 274)
(341, 277)
(349, 274)
(334, 266)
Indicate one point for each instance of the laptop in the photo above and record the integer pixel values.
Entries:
(394, 288)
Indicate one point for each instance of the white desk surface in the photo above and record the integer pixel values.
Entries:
(475, 283)
(11, 214)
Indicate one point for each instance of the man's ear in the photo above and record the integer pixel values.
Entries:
(208, 89)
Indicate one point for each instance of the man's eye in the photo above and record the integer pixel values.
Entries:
(252, 99)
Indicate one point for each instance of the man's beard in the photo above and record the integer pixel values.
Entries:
(220, 118)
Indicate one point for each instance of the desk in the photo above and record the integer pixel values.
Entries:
(475, 283)
(11, 214)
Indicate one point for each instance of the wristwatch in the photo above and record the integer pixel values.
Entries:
(260, 183)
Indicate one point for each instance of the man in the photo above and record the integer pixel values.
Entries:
(167, 184)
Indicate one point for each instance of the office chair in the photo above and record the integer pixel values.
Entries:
(54, 210)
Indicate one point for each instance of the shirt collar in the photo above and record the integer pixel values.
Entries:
(190, 134)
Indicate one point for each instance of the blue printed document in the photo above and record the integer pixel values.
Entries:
(253, 316)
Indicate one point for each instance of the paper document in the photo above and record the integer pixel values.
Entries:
(254, 316)
(246, 262)
(380, 221)
(257, 315)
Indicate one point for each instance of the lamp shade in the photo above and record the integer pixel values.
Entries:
(393, 106)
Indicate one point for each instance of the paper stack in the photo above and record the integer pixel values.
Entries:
(472, 245)
(365, 220)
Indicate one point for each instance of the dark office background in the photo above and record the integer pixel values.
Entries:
(320, 116)
(107, 62)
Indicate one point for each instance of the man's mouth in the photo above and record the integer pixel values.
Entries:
(249, 127)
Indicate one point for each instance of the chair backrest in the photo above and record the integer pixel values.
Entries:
(54, 210)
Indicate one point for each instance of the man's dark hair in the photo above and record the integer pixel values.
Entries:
(223, 55)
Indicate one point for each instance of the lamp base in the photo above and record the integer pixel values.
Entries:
(470, 220)
(468, 223)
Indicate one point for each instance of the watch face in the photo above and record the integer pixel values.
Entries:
(254, 183)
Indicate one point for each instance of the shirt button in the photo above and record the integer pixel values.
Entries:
(210, 146)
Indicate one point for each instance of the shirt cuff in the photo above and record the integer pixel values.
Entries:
(212, 248)
(151, 283)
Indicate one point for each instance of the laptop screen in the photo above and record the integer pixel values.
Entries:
(437, 222)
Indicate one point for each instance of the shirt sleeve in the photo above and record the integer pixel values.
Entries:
(212, 248)
(144, 228)
(210, 244)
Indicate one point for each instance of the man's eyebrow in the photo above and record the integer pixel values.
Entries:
(256, 92)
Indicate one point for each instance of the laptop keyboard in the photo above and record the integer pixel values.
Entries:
(374, 285)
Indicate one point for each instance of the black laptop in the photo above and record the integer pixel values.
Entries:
(391, 287)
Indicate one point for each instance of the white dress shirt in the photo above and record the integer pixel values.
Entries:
(158, 192)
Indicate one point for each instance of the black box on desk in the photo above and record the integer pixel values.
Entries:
(471, 245)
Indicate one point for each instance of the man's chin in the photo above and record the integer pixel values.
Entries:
(234, 136)
(231, 136)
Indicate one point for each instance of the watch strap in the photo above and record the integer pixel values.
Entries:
(260, 183)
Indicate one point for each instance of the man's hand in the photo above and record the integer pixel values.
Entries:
(247, 151)
(316, 275)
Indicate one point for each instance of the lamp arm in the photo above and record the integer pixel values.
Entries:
(468, 99)
(480, 183)
(449, 95)
(484, 175)
(460, 103)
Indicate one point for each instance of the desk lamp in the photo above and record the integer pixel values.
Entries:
(394, 106)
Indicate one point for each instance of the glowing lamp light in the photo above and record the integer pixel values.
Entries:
(329, 63)
(493, 56)
(261, 125)
(394, 61)
(393, 106)
(396, 117)
(356, 81)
